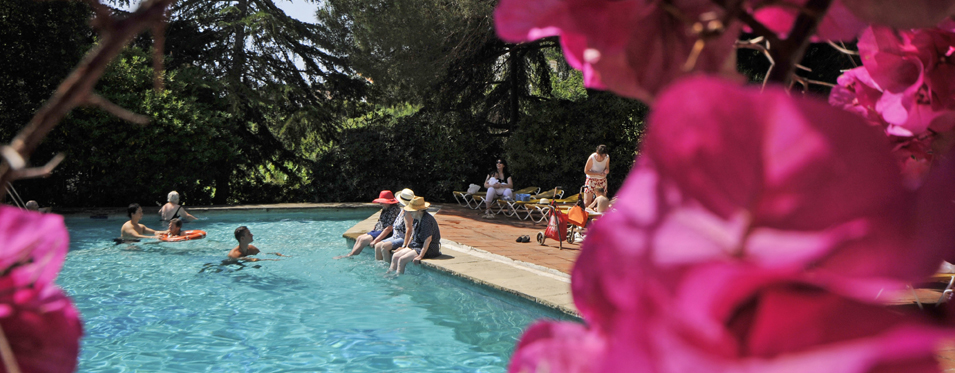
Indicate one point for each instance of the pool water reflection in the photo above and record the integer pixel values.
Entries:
(174, 307)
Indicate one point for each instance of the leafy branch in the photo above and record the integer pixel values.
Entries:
(76, 89)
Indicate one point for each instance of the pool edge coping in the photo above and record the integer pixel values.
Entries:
(541, 285)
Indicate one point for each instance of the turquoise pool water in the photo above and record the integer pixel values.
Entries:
(172, 307)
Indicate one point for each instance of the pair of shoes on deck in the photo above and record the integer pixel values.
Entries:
(524, 239)
(488, 215)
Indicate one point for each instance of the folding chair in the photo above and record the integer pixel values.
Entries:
(509, 207)
(469, 199)
(501, 205)
(534, 206)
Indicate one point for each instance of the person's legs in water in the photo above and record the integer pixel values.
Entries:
(383, 251)
(360, 243)
(397, 256)
(402, 258)
(383, 248)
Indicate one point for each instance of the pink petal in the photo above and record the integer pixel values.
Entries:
(838, 24)
(519, 20)
(902, 14)
(631, 47)
(43, 331)
(936, 210)
(557, 348)
(34, 245)
(769, 154)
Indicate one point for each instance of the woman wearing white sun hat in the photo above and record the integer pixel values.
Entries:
(425, 242)
(383, 249)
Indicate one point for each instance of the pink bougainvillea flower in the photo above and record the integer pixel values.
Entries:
(914, 74)
(791, 184)
(732, 317)
(905, 86)
(43, 329)
(856, 92)
(936, 50)
(838, 24)
(557, 348)
(38, 320)
(631, 47)
(936, 208)
(902, 14)
(34, 246)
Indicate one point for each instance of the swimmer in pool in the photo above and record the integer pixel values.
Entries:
(132, 229)
(245, 247)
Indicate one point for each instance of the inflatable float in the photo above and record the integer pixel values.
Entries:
(184, 236)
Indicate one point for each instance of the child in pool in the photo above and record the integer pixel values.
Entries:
(175, 227)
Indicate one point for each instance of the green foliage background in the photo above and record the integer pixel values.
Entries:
(261, 108)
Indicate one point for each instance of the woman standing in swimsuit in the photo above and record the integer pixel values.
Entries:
(597, 168)
(172, 209)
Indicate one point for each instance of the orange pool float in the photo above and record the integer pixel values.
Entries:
(184, 236)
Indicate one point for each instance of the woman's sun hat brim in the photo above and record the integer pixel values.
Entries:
(405, 196)
(417, 204)
(385, 197)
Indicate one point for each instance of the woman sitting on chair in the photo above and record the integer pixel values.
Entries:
(498, 183)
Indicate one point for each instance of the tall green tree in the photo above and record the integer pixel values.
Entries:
(40, 42)
(515, 101)
(443, 54)
(276, 74)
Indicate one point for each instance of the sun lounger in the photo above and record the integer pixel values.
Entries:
(520, 207)
(469, 199)
(535, 207)
(462, 197)
(543, 209)
(501, 205)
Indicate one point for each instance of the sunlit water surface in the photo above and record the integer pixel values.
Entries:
(173, 307)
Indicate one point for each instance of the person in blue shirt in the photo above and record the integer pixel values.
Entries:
(423, 240)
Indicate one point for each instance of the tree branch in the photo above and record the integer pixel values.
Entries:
(75, 90)
(790, 51)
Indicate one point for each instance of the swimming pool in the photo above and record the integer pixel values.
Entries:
(173, 307)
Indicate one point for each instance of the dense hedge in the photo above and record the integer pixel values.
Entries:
(111, 162)
(437, 153)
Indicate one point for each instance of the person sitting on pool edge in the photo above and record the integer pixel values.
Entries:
(132, 229)
(384, 226)
(425, 239)
(383, 249)
(245, 247)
